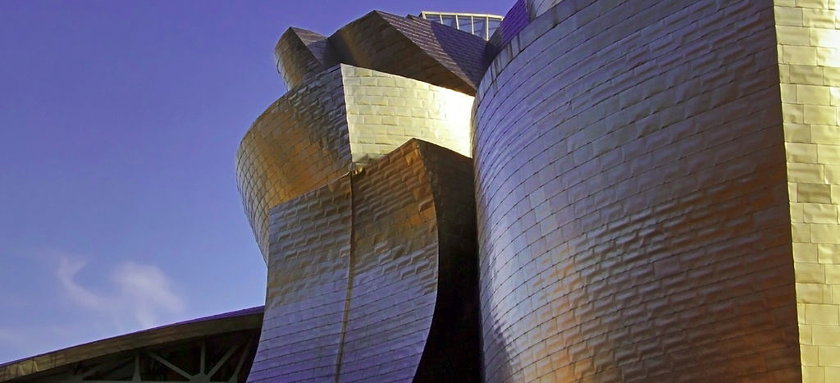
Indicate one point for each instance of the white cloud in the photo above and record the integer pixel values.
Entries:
(66, 273)
(149, 290)
(139, 294)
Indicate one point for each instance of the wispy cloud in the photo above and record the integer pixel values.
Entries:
(141, 292)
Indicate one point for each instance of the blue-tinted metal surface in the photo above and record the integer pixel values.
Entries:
(631, 197)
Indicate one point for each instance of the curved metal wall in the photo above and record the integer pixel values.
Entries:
(344, 117)
(537, 7)
(299, 143)
(362, 284)
(632, 200)
(302, 55)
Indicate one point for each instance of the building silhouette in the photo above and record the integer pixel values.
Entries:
(581, 191)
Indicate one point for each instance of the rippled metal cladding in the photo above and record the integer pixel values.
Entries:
(368, 233)
(345, 117)
(654, 197)
(654, 182)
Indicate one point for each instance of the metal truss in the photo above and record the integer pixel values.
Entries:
(155, 366)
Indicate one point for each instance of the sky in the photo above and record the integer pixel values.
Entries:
(119, 122)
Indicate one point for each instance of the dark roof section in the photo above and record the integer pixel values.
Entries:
(406, 46)
(250, 318)
(460, 52)
(374, 42)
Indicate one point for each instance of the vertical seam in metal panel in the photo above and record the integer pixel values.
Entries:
(349, 291)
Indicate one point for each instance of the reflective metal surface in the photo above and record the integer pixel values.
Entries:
(413, 48)
(632, 200)
(407, 46)
(299, 143)
(537, 7)
(514, 21)
(384, 111)
(302, 55)
(343, 117)
(370, 245)
(809, 65)
(369, 276)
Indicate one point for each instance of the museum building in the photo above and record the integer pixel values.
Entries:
(581, 191)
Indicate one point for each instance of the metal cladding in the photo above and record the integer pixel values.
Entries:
(809, 71)
(368, 233)
(410, 47)
(301, 55)
(299, 143)
(370, 278)
(414, 48)
(657, 196)
(514, 21)
(344, 117)
(636, 180)
(537, 7)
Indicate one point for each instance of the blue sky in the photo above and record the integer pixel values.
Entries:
(118, 127)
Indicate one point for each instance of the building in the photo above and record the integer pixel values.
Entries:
(602, 191)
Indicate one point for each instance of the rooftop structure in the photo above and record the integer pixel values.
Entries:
(481, 25)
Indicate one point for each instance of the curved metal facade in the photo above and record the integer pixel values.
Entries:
(344, 117)
(656, 193)
(631, 195)
(369, 240)
(355, 270)
(537, 7)
(299, 143)
(302, 55)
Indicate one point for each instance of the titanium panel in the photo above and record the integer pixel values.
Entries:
(304, 140)
(299, 143)
(384, 111)
(301, 55)
(632, 201)
(809, 65)
(537, 7)
(307, 286)
(414, 48)
(356, 273)
(514, 21)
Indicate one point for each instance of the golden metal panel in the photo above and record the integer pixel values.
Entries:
(301, 55)
(632, 196)
(344, 117)
(370, 281)
(298, 144)
(384, 111)
(807, 37)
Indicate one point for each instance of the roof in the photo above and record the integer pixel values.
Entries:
(246, 319)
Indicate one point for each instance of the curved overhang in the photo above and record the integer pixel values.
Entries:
(377, 263)
(343, 118)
